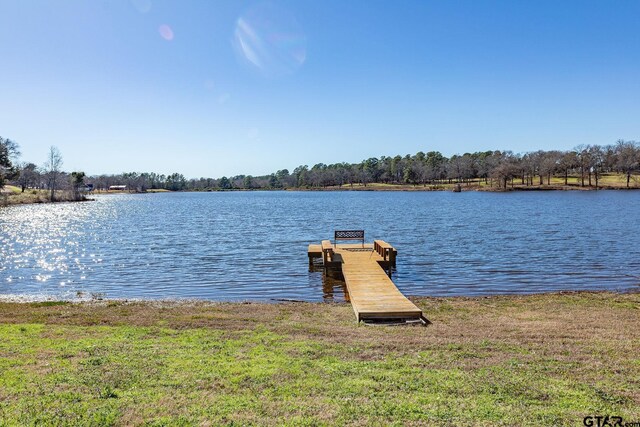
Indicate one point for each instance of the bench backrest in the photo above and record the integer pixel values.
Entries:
(349, 235)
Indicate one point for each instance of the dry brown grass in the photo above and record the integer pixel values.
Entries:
(557, 323)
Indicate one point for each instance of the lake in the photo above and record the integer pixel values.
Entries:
(232, 246)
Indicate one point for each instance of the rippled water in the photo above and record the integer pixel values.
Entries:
(252, 245)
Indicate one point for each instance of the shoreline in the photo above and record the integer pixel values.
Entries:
(91, 299)
(11, 201)
(12, 198)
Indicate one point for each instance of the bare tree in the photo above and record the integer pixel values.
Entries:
(549, 164)
(584, 162)
(628, 157)
(568, 161)
(29, 176)
(596, 155)
(506, 169)
(52, 168)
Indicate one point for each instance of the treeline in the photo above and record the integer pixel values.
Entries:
(585, 164)
(498, 169)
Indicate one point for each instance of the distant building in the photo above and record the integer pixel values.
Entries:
(117, 188)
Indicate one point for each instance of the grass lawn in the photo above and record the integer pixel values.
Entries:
(13, 189)
(525, 360)
(29, 196)
(606, 181)
(17, 197)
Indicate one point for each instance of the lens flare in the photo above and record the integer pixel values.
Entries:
(270, 39)
(165, 32)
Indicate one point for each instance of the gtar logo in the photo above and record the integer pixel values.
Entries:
(602, 421)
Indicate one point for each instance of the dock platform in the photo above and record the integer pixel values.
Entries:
(373, 295)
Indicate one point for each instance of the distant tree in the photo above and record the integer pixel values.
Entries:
(549, 164)
(29, 176)
(408, 174)
(351, 173)
(527, 168)
(596, 157)
(539, 165)
(436, 165)
(9, 152)
(224, 183)
(568, 161)
(176, 182)
(483, 161)
(628, 158)
(467, 165)
(584, 162)
(283, 177)
(371, 169)
(610, 158)
(454, 168)
(77, 184)
(341, 173)
(130, 179)
(144, 181)
(300, 174)
(316, 175)
(53, 170)
(273, 181)
(419, 171)
(507, 168)
(364, 173)
(248, 182)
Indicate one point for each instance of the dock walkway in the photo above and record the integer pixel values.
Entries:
(373, 295)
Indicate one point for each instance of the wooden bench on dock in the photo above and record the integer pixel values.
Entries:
(348, 235)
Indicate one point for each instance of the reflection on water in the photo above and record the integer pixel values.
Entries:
(333, 286)
(252, 246)
(334, 289)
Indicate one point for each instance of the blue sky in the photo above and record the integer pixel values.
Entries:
(212, 88)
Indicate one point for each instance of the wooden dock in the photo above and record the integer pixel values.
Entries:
(373, 295)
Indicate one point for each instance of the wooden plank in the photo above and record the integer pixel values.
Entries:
(327, 252)
(315, 248)
(372, 293)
